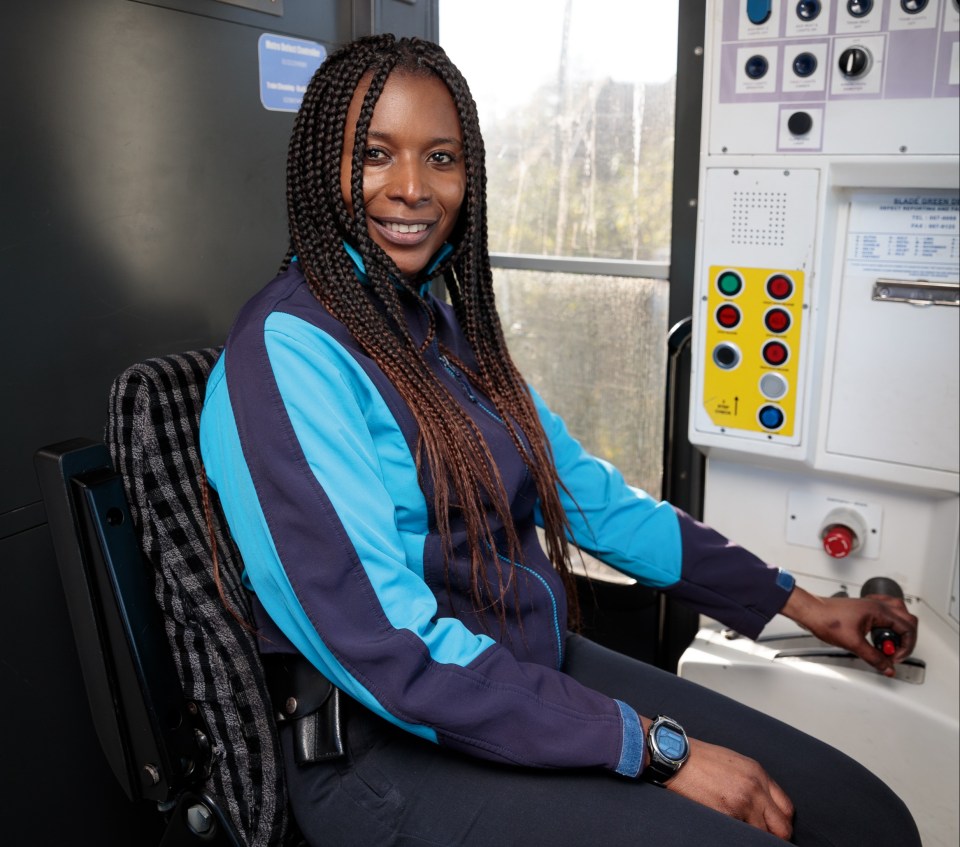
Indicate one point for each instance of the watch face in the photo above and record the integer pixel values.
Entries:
(671, 743)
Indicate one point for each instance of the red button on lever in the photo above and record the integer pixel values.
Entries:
(839, 541)
(888, 648)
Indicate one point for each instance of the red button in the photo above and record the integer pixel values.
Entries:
(888, 647)
(728, 316)
(777, 320)
(775, 353)
(779, 287)
(839, 541)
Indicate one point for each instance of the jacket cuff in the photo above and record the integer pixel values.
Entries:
(631, 751)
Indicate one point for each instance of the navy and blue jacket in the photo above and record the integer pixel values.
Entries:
(311, 450)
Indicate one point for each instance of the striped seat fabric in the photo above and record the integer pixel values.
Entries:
(153, 436)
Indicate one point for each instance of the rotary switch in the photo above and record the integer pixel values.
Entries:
(854, 62)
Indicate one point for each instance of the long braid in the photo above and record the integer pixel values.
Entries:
(453, 459)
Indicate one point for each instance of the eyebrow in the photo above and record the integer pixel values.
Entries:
(385, 136)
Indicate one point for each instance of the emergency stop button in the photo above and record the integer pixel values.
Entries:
(839, 541)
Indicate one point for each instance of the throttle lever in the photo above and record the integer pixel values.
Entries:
(883, 638)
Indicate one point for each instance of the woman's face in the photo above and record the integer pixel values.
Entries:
(414, 177)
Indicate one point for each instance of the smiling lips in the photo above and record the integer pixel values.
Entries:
(403, 233)
(396, 227)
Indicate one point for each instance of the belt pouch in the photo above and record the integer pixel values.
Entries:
(305, 698)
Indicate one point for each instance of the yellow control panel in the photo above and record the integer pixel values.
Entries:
(752, 350)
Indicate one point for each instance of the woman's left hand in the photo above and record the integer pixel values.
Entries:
(846, 621)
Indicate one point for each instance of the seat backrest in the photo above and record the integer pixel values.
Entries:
(153, 437)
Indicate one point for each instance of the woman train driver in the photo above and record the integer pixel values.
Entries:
(384, 468)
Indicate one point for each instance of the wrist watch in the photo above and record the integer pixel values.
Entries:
(669, 749)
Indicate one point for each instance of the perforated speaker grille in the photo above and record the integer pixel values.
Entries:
(758, 218)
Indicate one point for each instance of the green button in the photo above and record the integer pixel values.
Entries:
(729, 283)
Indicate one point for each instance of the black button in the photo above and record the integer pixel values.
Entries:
(756, 67)
(804, 64)
(859, 8)
(799, 123)
(726, 356)
(807, 10)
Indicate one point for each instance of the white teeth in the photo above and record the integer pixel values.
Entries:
(394, 227)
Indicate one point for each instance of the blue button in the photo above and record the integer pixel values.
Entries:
(758, 11)
(771, 417)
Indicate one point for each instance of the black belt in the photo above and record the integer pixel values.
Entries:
(304, 697)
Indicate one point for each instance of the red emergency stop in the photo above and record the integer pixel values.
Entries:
(839, 541)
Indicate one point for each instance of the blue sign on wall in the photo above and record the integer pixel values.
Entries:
(286, 66)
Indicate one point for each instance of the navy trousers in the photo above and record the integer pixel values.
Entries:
(396, 789)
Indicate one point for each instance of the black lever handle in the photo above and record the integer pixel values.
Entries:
(883, 638)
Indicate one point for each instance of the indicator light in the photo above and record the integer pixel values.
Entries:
(779, 286)
(728, 316)
(771, 417)
(777, 320)
(729, 283)
(773, 386)
(775, 353)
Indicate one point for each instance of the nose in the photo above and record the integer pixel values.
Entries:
(410, 183)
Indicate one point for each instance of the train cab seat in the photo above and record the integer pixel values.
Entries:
(175, 681)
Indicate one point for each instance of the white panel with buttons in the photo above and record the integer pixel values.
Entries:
(839, 121)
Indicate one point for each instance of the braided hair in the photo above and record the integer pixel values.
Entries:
(451, 451)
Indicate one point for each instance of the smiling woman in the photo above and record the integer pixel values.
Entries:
(385, 471)
(413, 173)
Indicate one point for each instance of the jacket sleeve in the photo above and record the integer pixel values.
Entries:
(318, 486)
(658, 544)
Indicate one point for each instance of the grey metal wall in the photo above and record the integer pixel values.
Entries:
(141, 202)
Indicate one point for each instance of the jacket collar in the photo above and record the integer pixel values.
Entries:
(438, 258)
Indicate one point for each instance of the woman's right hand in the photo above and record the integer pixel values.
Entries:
(735, 785)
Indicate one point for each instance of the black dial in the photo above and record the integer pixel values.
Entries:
(859, 8)
(807, 10)
(854, 62)
(914, 7)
